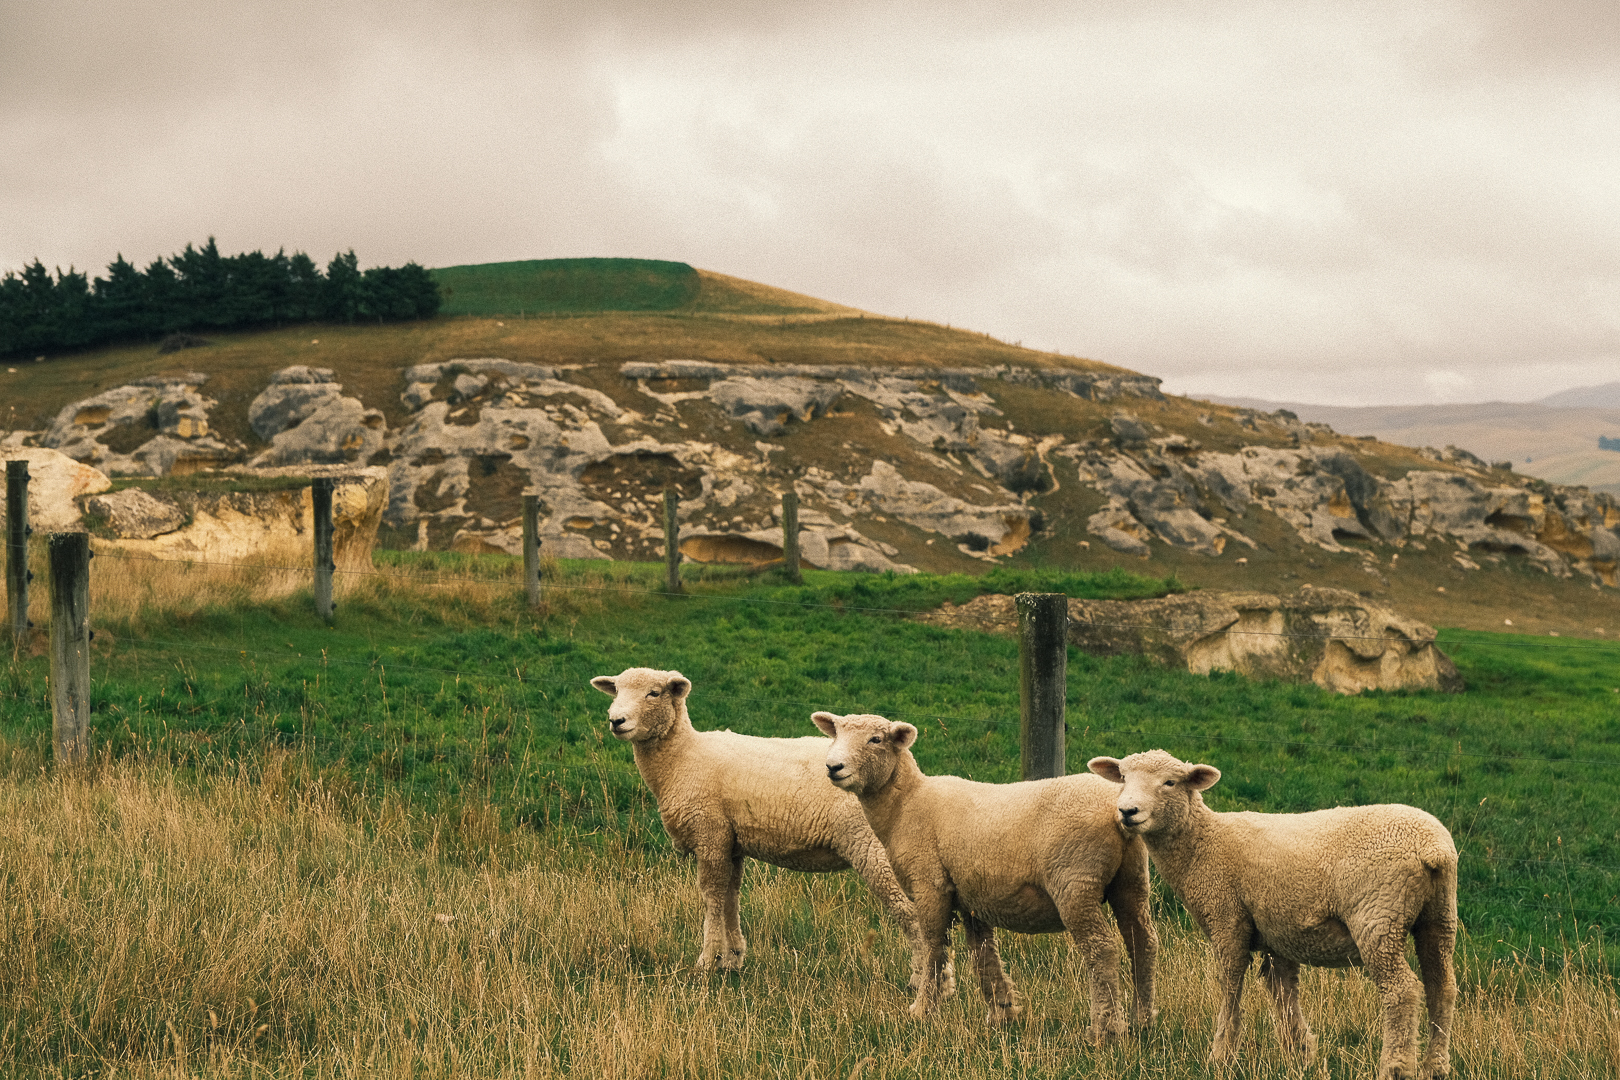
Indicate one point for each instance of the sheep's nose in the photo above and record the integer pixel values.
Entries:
(834, 770)
(1128, 812)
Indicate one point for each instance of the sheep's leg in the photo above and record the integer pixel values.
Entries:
(1232, 960)
(1383, 957)
(868, 859)
(934, 933)
(736, 944)
(1282, 980)
(1003, 998)
(718, 873)
(1436, 940)
(1128, 895)
(1080, 907)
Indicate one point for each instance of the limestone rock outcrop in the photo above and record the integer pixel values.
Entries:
(272, 528)
(152, 427)
(600, 442)
(133, 514)
(306, 419)
(56, 483)
(1336, 639)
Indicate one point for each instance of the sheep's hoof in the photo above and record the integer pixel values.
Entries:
(1003, 1014)
(1145, 1017)
(920, 1009)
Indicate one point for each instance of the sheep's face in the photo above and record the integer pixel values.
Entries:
(646, 703)
(1156, 791)
(864, 751)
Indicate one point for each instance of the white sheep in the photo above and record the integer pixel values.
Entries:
(1331, 888)
(1038, 857)
(724, 796)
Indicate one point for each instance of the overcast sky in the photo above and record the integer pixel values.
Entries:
(1342, 202)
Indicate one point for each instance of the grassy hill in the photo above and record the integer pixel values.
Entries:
(734, 321)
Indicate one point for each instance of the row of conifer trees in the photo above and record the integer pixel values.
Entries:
(200, 290)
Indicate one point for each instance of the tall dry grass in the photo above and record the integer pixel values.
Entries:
(260, 923)
(129, 592)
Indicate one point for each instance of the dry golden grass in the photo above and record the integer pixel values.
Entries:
(262, 923)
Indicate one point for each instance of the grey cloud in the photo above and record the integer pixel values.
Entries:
(1350, 197)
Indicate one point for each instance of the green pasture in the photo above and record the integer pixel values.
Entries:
(566, 286)
(427, 694)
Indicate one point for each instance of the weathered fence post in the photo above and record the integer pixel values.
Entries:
(531, 548)
(672, 541)
(1043, 670)
(321, 497)
(70, 645)
(790, 536)
(17, 531)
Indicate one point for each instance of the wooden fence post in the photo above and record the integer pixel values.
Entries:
(1043, 669)
(321, 493)
(70, 645)
(17, 530)
(790, 536)
(531, 548)
(672, 541)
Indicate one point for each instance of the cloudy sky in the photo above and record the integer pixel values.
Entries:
(1341, 202)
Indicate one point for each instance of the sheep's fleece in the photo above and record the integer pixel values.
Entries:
(723, 796)
(1037, 857)
(1332, 888)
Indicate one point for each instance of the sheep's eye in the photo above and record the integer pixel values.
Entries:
(875, 739)
(1169, 783)
(653, 693)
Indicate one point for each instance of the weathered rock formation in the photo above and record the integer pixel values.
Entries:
(306, 419)
(263, 528)
(599, 443)
(1331, 637)
(55, 484)
(151, 427)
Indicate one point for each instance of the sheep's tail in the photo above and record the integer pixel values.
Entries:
(1439, 857)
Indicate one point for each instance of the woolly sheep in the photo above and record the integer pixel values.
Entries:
(1331, 888)
(1038, 857)
(724, 796)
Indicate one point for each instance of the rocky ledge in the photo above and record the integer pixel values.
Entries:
(1331, 637)
(881, 458)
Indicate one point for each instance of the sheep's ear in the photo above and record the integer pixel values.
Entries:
(606, 684)
(679, 686)
(1200, 777)
(904, 735)
(827, 722)
(1107, 768)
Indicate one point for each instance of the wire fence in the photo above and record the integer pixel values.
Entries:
(531, 673)
(626, 589)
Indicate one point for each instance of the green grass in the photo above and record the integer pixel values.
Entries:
(566, 286)
(436, 695)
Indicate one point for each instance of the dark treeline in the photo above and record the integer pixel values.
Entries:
(199, 290)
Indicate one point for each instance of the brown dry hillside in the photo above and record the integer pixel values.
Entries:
(736, 322)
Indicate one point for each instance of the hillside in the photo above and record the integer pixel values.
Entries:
(1554, 439)
(911, 445)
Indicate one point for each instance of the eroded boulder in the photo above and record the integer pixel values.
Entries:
(56, 483)
(133, 514)
(307, 420)
(151, 427)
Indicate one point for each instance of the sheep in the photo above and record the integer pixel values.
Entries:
(1038, 857)
(1330, 888)
(724, 797)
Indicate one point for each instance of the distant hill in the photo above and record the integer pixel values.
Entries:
(1549, 438)
(1606, 396)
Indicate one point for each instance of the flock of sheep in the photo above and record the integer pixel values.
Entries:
(1331, 888)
